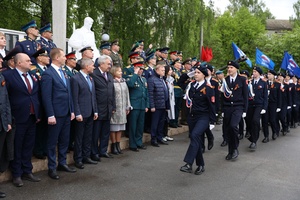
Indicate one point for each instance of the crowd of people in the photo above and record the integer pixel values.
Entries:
(52, 103)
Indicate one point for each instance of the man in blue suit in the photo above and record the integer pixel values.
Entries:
(85, 107)
(57, 100)
(23, 90)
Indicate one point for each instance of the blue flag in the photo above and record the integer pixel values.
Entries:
(288, 63)
(263, 60)
(238, 53)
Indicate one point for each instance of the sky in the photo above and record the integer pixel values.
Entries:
(281, 9)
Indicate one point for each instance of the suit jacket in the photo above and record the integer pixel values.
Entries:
(56, 96)
(19, 97)
(84, 99)
(5, 112)
(105, 94)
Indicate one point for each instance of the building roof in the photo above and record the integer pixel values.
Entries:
(278, 24)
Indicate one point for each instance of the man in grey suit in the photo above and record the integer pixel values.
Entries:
(106, 103)
(5, 126)
(85, 108)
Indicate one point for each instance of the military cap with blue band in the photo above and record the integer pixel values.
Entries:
(105, 45)
(31, 24)
(46, 28)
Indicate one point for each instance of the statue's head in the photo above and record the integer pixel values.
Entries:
(88, 22)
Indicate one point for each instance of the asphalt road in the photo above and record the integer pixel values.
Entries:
(272, 172)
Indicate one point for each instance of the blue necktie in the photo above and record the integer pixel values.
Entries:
(89, 82)
(63, 77)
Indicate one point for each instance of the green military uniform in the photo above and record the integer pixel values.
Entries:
(117, 59)
(69, 72)
(37, 69)
(138, 94)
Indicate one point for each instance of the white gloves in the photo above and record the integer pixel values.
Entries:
(211, 126)
(222, 114)
(294, 105)
(289, 107)
(216, 115)
(244, 115)
(263, 111)
(278, 109)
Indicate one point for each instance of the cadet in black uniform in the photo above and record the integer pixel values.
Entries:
(235, 103)
(200, 100)
(257, 106)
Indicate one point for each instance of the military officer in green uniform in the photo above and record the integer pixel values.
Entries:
(139, 101)
(129, 70)
(115, 56)
(69, 68)
(176, 66)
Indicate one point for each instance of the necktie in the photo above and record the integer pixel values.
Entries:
(104, 74)
(196, 85)
(255, 82)
(63, 76)
(29, 90)
(89, 82)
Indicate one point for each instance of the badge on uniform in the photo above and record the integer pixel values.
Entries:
(212, 99)
(3, 83)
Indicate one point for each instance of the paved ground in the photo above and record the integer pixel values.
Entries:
(272, 172)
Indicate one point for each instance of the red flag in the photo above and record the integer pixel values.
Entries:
(209, 54)
(203, 54)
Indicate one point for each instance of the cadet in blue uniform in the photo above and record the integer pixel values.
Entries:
(257, 106)
(200, 99)
(138, 94)
(235, 103)
(46, 38)
(29, 45)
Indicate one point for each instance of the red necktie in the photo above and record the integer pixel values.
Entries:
(29, 90)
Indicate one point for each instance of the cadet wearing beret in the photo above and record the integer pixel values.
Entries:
(258, 106)
(235, 104)
(28, 44)
(46, 38)
(115, 56)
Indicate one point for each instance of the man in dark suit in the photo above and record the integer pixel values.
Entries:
(57, 100)
(85, 107)
(23, 90)
(5, 126)
(105, 95)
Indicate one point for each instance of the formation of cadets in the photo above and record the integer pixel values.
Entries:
(54, 100)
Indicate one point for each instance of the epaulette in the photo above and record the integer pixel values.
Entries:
(146, 68)
(128, 66)
(22, 39)
(183, 71)
(33, 67)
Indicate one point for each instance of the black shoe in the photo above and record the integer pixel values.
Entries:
(210, 144)
(224, 143)
(241, 136)
(53, 174)
(252, 146)
(113, 149)
(247, 135)
(199, 170)
(179, 125)
(106, 155)
(119, 148)
(284, 132)
(134, 149)
(203, 149)
(2, 195)
(229, 156)
(39, 156)
(274, 136)
(95, 158)
(155, 144)
(186, 168)
(265, 140)
(30, 177)
(66, 168)
(89, 161)
(142, 147)
(162, 142)
(235, 154)
(173, 125)
(18, 182)
(79, 165)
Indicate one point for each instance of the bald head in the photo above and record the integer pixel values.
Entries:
(22, 62)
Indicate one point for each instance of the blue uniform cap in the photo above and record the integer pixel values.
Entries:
(150, 56)
(164, 50)
(29, 25)
(46, 28)
(105, 45)
(219, 72)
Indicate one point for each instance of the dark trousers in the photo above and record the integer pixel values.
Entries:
(23, 146)
(83, 139)
(72, 134)
(289, 117)
(295, 112)
(282, 118)
(197, 126)
(157, 124)
(209, 135)
(40, 146)
(101, 130)
(265, 123)
(253, 117)
(232, 117)
(136, 127)
(184, 112)
(147, 123)
(241, 127)
(58, 135)
(273, 118)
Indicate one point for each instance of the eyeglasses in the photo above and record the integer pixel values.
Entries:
(34, 27)
(72, 59)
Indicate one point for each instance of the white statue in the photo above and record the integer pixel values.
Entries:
(84, 37)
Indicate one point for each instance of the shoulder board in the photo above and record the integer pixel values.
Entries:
(183, 71)
(22, 39)
(146, 68)
(33, 67)
(128, 66)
